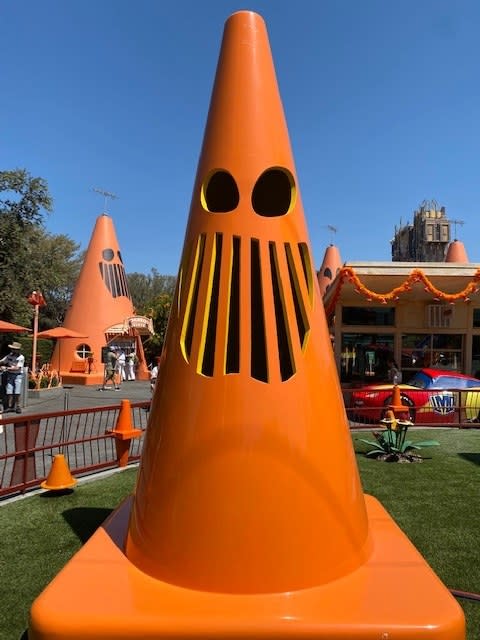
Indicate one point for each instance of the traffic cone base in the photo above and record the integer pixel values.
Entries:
(76, 607)
(59, 477)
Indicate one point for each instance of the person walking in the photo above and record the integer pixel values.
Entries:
(13, 365)
(110, 368)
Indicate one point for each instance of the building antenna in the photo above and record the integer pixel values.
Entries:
(455, 222)
(333, 230)
(105, 194)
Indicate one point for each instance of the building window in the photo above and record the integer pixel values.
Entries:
(364, 357)
(370, 316)
(435, 350)
(83, 351)
(476, 317)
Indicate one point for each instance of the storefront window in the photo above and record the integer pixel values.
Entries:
(476, 356)
(440, 351)
(364, 357)
(372, 316)
(476, 317)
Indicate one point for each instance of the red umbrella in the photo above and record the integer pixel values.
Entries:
(9, 327)
(60, 333)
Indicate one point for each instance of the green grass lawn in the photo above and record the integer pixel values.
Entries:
(436, 503)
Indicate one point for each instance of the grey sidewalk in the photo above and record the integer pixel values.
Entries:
(83, 397)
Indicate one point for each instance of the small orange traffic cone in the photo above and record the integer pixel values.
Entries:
(123, 432)
(396, 405)
(59, 477)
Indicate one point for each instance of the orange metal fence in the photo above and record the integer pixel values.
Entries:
(28, 444)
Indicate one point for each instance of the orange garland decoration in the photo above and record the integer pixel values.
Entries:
(416, 276)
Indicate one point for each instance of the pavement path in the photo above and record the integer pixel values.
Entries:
(83, 397)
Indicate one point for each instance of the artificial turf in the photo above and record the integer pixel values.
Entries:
(435, 502)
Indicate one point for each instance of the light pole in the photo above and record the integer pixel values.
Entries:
(37, 300)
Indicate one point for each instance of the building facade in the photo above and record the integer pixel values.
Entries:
(426, 239)
(422, 315)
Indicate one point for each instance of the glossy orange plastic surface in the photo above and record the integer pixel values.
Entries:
(248, 481)
(59, 477)
(393, 596)
(101, 299)
(248, 519)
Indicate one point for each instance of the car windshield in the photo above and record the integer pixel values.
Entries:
(420, 380)
(423, 381)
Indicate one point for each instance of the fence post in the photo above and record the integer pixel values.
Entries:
(24, 463)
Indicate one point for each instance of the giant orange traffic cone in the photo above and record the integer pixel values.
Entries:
(101, 299)
(248, 518)
(59, 477)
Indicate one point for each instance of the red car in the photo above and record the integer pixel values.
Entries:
(432, 395)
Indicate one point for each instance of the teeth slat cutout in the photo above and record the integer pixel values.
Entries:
(289, 269)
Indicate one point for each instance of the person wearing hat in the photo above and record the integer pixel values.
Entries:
(110, 368)
(12, 364)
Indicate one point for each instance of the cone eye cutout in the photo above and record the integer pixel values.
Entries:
(274, 193)
(219, 193)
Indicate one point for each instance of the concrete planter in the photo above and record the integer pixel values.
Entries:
(45, 393)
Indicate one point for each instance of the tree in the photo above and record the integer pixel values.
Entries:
(23, 203)
(152, 296)
(56, 262)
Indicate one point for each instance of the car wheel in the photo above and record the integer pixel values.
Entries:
(405, 401)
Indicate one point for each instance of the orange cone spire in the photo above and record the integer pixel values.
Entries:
(456, 252)
(330, 266)
(101, 299)
(248, 518)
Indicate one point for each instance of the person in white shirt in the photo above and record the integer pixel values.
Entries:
(121, 367)
(153, 377)
(13, 364)
(130, 366)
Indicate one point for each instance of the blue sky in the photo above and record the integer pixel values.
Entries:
(382, 100)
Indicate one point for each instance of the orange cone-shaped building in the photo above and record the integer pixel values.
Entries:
(248, 519)
(330, 267)
(456, 252)
(102, 310)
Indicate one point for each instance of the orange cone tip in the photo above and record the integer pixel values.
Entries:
(248, 519)
(59, 477)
